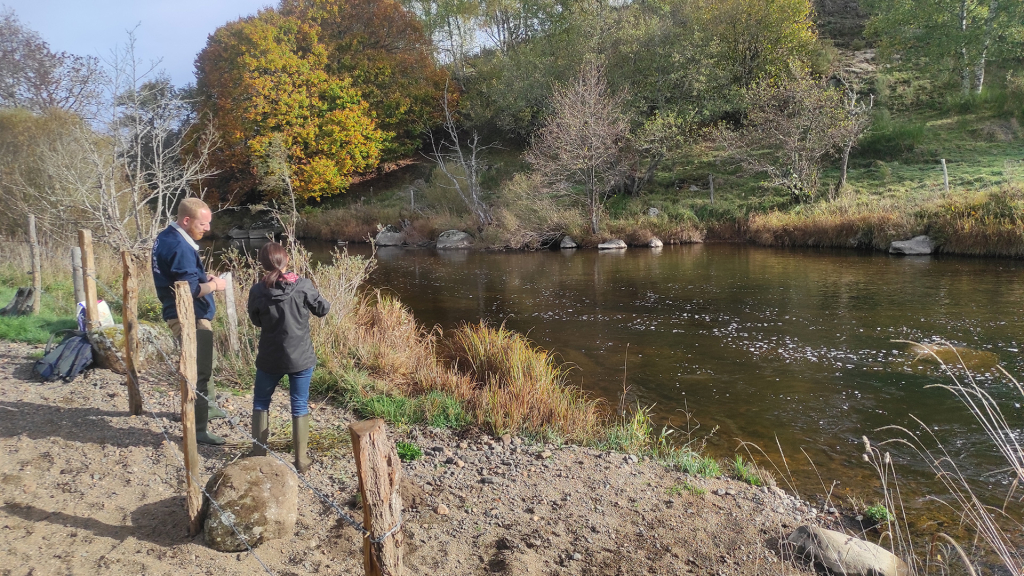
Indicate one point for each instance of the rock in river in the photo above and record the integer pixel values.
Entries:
(612, 245)
(916, 246)
(454, 239)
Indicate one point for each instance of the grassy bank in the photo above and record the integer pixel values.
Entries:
(57, 305)
(895, 191)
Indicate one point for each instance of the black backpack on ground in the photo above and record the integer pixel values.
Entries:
(67, 359)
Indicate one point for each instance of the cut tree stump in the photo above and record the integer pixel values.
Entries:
(22, 303)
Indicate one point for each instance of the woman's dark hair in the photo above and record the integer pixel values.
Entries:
(274, 259)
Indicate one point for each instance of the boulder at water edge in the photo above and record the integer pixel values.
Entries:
(454, 239)
(388, 237)
(845, 555)
(916, 246)
(612, 245)
(567, 243)
(259, 496)
(155, 347)
(655, 243)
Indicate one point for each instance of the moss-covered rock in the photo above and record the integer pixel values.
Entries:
(155, 346)
(257, 496)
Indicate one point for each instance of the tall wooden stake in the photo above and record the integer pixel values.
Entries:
(188, 376)
(92, 312)
(130, 318)
(711, 184)
(229, 298)
(76, 274)
(945, 175)
(380, 478)
(37, 275)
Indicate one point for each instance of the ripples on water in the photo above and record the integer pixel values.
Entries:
(767, 345)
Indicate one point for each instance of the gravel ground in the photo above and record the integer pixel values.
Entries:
(87, 489)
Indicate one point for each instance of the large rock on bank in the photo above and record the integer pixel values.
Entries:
(388, 236)
(258, 496)
(155, 347)
(612, 245)
(454, 239)
(916, 246)
(567, 243)
(845, 555)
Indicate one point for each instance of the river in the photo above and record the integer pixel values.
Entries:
(777, 347)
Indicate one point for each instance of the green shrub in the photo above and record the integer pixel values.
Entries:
(408, 452)
(441, 410)
(746, 471)
(878, 513)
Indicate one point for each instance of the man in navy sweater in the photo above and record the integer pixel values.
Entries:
(176, 258)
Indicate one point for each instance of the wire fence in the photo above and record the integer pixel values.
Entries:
(235, 427)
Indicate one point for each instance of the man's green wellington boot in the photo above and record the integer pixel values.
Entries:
(300, 440)
(260, 432)
(204, 372)
(204, 369)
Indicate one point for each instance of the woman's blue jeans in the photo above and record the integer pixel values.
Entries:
(298, 390)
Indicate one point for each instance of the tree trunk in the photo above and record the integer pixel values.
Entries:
(979, 67)
(965, 66)
(846, 161)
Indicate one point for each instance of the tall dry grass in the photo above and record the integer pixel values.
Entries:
(58, 287)
(982, 223)
(519, 387)
(997, 528)
(844, 223)
(370, 346)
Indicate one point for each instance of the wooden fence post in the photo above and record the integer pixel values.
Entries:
(945, 175)
(711, 184)
(92, 312)
(37, 275)
(380, 478)
(187, 375)
(229, 305)
(130, 319)
(76, 274)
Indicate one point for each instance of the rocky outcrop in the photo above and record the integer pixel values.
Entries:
(567, 243)
(454, 239)
(916, 246)
(155, 346)
(258, 496)
(843, 554)
(612, 245)
(655, 243)
(388, 236)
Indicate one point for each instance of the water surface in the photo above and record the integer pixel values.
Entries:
(771, 346)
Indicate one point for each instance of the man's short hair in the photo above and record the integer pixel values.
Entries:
(190, 208)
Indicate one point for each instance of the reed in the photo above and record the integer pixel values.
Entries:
(997, 527)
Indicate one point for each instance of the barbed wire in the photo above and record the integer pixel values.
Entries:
(234, 425)
(324, 499)
(224, 517)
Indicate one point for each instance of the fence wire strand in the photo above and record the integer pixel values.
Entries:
(233, 422)
(213, 502)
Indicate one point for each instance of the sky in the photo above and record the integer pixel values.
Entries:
(172, 31)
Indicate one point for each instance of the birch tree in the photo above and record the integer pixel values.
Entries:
(957, 36)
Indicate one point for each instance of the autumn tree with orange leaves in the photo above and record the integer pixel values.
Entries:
(342, 85)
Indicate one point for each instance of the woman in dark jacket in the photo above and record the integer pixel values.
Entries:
(280, 305)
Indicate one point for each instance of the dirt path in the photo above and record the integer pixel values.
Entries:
(87, 489)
